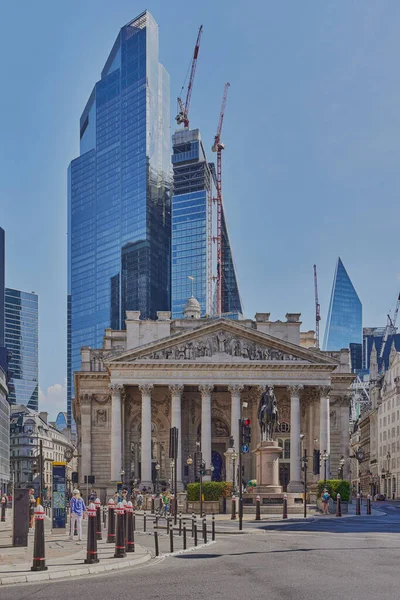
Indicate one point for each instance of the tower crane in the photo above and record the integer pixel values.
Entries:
(217, 147)
(390, 328)
(183, 115)
(317, 308)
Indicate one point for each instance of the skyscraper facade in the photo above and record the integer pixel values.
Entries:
(22, 342)
(193, 256)
(344, 320)
(119, 213)
(2, 284)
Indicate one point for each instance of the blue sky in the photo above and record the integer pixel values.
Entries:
(311, 169)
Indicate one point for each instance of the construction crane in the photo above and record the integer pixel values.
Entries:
(390, 328)
(317, 308)
(217, 147)
(183, 115)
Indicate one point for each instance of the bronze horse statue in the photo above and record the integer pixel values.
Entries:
(268, 415)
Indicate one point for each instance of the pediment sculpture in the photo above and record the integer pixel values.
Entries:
(221, 343)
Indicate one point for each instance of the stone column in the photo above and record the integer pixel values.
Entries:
(116, 432)
(205, 391)
(176, 421)
(324, 429)
(235, 391)
(85, 400)
(295, 484)
(146, 390)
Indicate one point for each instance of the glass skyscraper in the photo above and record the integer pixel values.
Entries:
(193, 256)
(119, 213)
(22, 342)
(344, 321)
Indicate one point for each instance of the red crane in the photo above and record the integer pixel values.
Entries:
(317, 308)
(183, 115)
(217, 147)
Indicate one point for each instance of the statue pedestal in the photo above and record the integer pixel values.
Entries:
(267, 468)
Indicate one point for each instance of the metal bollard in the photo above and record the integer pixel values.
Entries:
(97, 504)
(152, 504)
(39, 562)
(338, 506)
(258, 508)
(134, 519)
(168, 524)
(193, 520)
(368, 504)
(120, 550)
(213, 527)
(130, 536)
(172, 505)
(184, 536)
(284, 514)
(144, 522)
(233, 514)
(111, 522)
(105, 512)
(157, 551)
(171, 539)
(180, 524)
(358, 505)
(195, 534)
(91, 552)
(205, 530)
(3, 509)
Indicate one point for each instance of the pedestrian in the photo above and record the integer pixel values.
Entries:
(116, 498)
(32, 504)
(77, 510)
(164, 504)
(92, 495)
(139, 501)
(325, 502)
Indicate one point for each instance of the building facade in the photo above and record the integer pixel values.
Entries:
(195, 374)
(119, 215)
(3, 351)
(22, 342)
(4, 433)
(344, 320)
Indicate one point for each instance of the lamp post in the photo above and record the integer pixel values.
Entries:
(233, 459)
(189, 462)
(388, 457)
(325, 458)
(157, 468)
(304, 464)
(341, 467)
(172, 465)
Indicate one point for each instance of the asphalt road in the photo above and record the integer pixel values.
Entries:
(330, 559)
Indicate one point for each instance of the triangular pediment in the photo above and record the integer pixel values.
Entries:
(222, 340)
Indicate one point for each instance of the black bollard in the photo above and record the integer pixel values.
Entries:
(193, 520)
(3, 509)
(152, 504)
(358, 505)
(213, 527)
(134, 519)
(258, 508)
(184, 536)
(111, 522)
(368, 504)
(284, 514)
(156, 543)
(172, 505)
(338, 506)
(91, 552)
(105, 517)
(168, 524)
(205, 530)
(39, 561)
(233, 514)
(97, 504)
(130, 536)
(144, 521)
(120, 550)
(171, 539)
(180, 523)
(195, 534)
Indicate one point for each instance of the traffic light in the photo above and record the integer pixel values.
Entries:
(202, 468)
(316, 461)
(246, 432)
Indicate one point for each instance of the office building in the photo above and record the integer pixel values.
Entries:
(373, 336)
(22, 342)
(119, 214)
(3, 351)
(344, 320)
(4, 433)
(193, 252)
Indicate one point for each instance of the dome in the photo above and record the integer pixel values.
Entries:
(192, 309)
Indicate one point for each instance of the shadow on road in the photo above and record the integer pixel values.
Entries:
(363, 525)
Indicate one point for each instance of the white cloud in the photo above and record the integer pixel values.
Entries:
(53, 400)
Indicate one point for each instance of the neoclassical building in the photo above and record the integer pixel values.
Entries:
(196, 374)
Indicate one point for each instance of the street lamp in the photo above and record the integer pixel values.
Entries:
(233, 457)
(341, 467)
(325, 458)
(157, 468)
(172, 465)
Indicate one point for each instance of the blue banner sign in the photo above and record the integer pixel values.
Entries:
(58, 497)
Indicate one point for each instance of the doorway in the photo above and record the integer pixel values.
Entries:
(284, 475)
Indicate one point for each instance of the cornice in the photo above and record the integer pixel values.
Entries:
(209, 366)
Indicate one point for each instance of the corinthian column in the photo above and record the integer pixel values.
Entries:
(324, 428)
(295, 484)
(235, 391)
(116, 432)
(205, 391)
(176, 421)
(146, 434)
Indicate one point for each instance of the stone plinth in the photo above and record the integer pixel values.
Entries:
(267, 468)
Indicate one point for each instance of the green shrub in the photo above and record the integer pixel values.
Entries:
(212, 490)
(334, 487)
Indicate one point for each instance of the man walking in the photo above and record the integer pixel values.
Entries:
(77, 509)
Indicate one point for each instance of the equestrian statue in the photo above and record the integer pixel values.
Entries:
(268, 415)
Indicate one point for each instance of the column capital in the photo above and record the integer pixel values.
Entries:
(206, 389)
(116, 388)
(295, 390)
(324, 390)
(235, 388)
(146, 389)
(176, 389)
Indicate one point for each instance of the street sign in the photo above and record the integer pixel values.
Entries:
(245, 448)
